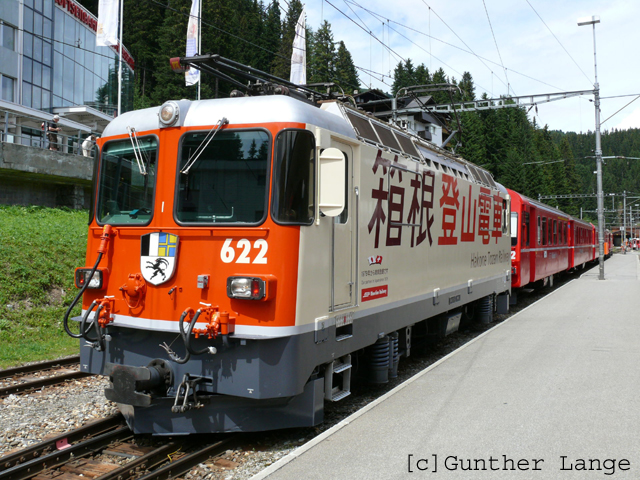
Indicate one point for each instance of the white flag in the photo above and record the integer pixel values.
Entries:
(192, 76)
(107, 23)
(299, 55)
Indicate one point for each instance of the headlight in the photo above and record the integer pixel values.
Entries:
(97, 282)
(169, 113)
(248, 288)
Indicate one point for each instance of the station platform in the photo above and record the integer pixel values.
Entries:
(553, 392)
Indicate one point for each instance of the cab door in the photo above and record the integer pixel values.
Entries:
(343, 242)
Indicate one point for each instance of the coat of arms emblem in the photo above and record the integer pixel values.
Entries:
(158, 256)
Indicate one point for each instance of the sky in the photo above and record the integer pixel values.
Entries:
(524, 47)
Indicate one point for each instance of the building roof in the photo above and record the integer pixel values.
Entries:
(33, 118)
(92, 118)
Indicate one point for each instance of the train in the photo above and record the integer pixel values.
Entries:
(608, 243)
(546, 241)
(248, 256)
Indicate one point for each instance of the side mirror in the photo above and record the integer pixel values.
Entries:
(332, 178)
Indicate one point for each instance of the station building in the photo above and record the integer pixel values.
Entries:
(50, 64)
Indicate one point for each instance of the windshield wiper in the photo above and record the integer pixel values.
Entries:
(137, 151)
(212, 133)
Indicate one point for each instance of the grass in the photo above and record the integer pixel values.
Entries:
(39, 250)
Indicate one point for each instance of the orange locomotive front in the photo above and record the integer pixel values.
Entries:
(242, 250)
(188, 255)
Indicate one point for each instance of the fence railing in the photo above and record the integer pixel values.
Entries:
(31, 131)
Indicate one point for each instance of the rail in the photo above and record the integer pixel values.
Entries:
(50, 445)
(77, 453)
(37, 367)
(48, 368)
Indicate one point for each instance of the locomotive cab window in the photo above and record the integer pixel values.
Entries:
(294, 178)
(127, 181)
(223, 179)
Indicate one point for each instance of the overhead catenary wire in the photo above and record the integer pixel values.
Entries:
(559, 42)
(368, 32)
(370, 35)
(621, 109)
(498, 49)
(484, 59)
(454, 32)
(375, 15)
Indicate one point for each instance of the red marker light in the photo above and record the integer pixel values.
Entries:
(255, 289)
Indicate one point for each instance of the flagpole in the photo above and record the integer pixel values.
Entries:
(120, 62)
(199, 42)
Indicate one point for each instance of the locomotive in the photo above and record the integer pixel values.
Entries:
(245, 255)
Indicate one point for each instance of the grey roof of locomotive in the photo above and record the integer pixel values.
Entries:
(243, 110)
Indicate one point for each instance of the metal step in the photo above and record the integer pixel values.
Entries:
(341, 368)
(339, 396)
(337, 379)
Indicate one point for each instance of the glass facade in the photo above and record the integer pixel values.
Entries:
(8, 88)
(7, 36)
(61, 64)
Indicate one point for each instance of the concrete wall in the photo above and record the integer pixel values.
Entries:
(34, 176)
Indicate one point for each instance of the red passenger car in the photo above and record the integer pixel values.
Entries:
(546, 241)
(608, 243)
(540, 241)
(585, 244)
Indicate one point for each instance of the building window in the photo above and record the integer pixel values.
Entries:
(8, 37)
(8, 88)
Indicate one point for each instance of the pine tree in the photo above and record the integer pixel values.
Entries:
(271, 37)
(422, 76)
(440, 77)
(172, 42)
(571, 176)
(282, 63)
(322, 59)
(140, 37)
(472, 141)
(218, 37)
(399, 78)
(467, 88)
(404, 76)
(346, 75)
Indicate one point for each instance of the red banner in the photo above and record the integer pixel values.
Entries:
(374, 293)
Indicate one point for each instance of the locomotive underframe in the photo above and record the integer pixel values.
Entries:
(262, 384)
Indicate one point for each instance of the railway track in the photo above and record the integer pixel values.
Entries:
(108, 450)
(33, 377)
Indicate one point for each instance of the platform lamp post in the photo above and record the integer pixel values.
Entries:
(598, 153)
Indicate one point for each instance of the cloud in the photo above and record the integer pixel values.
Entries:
(631, 120)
